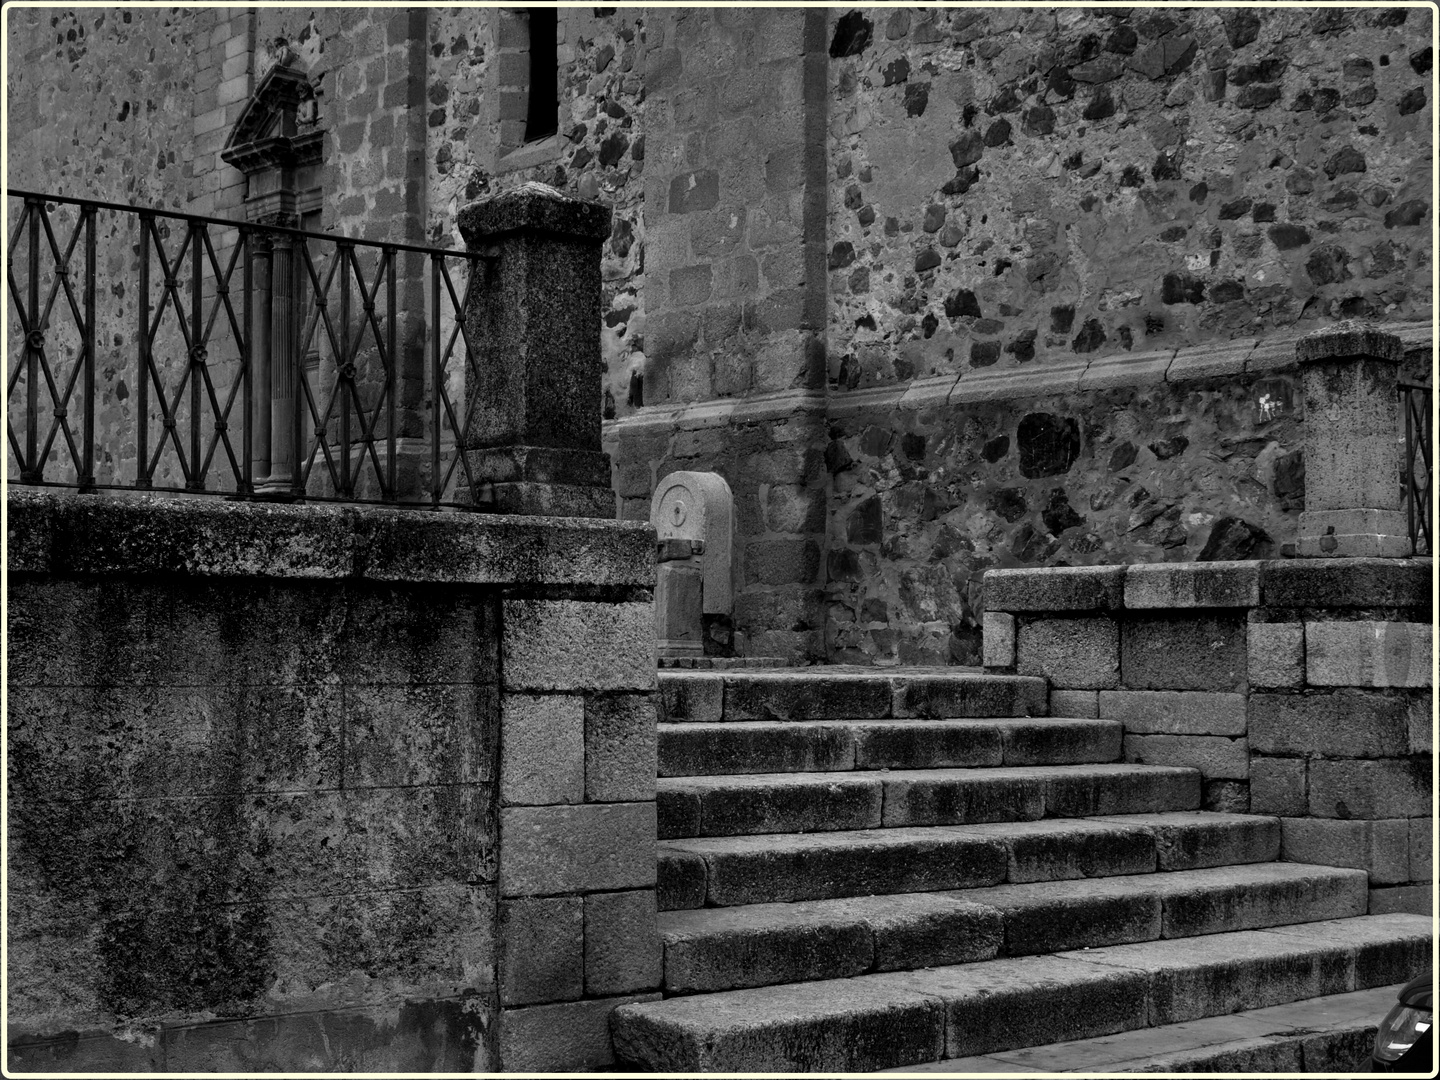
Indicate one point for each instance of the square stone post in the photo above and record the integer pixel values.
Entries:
(533, 319)
(1352, 450)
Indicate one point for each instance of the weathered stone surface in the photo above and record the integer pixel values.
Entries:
(1422, 849)
(1051, 916)
(1073, 654)
(542, 750)
(1339, 723)
(967, 695)
(541, 950)
(1422, 723)
(756, 746)
(929, 744)
(1183, 653)
(1056, 741)
(958, 797)
(1275, 653)
(620, 749)
(1368, 653)
(999, 631)
(1296, 583)
(1215, 757)
(1061, 588)
(1387, 788)
(1225, 899)
(562, 849)
(792, 696)
(680, 880)
(1077, 703)
(569, 1037)
(1192, 585)
(1084, 791)
(1380, 847)
(1161, 712)
(1417, 899)
(1191, 841)
(1277, 785)
(775, 803)
(690, 696)
(575, 645)
(622, 946)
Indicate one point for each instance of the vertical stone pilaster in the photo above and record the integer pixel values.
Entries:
(1352, 453)
(534, 318)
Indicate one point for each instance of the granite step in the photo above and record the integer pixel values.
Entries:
(1330, 1034)
(846, 693)
(811, 802)
(712, 949)
(784, 867)
(889, 1020)
(770, 746)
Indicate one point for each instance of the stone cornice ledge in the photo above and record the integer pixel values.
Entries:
(103, 535)
(1242, 356)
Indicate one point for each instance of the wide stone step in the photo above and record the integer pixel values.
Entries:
(845, 693)
(1331, 1034)
(713, 949)
(812, 802)
(889, 1020)
(773, 746)
(784, 867)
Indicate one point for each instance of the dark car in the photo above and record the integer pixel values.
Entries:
(1405, 1042)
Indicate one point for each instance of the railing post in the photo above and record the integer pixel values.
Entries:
(86, 471)
(281, 300)
(534, 319)
(1352, 443)
(34, 470)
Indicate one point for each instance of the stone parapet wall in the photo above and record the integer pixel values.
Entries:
(318, 787)
(1298, 688)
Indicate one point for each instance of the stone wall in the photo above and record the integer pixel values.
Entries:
(1299, 688)
(297, 788)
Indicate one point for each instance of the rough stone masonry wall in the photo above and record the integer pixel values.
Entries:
(315, 787)
(1298, 688)
(1069, 254)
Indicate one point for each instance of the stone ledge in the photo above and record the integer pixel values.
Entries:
(54, 533)
(1060, 588)
(1193, 585)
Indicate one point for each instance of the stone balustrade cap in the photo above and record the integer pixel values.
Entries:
(1347, 339)
(534, 207)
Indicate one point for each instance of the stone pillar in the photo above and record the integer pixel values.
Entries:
(260, 314)
(1352, 449)
(678, 597)
(282, 365)
(534, 322)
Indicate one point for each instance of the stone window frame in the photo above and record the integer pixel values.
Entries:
(509, 92)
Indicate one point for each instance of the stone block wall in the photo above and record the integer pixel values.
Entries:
(319, 787)
(1298, 688)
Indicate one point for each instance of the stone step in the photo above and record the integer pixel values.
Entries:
(713, 949)
(814, 802)
(1330, 1034)
(784, 867)
(771, 746)
(846, 693)
(884, 1021)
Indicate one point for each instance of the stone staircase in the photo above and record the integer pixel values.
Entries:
(862, 871)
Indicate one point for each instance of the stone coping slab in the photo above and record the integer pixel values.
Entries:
(67, 533)
(1279, 583)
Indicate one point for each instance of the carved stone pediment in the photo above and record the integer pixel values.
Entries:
(274, 131)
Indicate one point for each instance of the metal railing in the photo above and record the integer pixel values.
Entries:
(162, 351)
(1415, 404)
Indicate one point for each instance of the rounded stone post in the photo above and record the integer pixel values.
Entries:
(1352, 443)
(534, 320)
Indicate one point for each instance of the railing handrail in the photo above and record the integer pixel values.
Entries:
(254, 226)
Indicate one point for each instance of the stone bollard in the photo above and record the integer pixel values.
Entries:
(678, 598)
(1352, 451)
(533, 319)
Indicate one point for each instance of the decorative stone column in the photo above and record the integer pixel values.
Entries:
(1352, 449)
(533, 320)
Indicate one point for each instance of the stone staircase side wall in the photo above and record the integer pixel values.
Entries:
(321, 787)
(1298, 688)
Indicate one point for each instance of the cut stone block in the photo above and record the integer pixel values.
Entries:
(1192, 585)
(958, 696)
(1174, 712)
(541, 950)
(1229, 898)
(1387, 788)
(1090, 790)
(620, 748)
(542, 750)
(1345, 583)
(1050, 916)
(1215, 757)
(1195, 652)
(1058, 588)
(566, 1038)
(545, 850)
(998, 631)
(576, 645)
(757, 746)
(1077, 703)
(774, 803)
(1276, 653)
(962, 796)
(1422, 857)
(1073, 654)
(1380, 847)
(1421, 716)
(690, 697)
(797, 696)
(1418, 899)
(622, 946)
(918, 744)
(1192, 841)
(1069, 848)
(680, 880)
(1277, 785)
(1339, 723)
(1367, 653)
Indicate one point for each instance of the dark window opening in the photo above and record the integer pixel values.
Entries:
(541, 120)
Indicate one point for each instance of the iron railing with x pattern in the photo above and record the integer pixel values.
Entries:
(161, 351)
(1416, 469)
